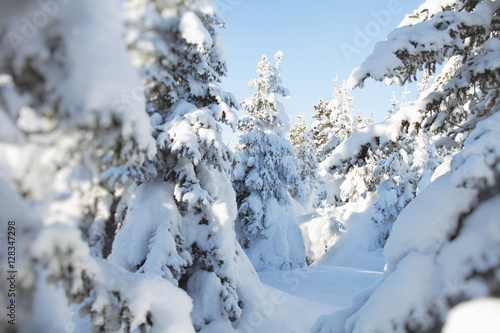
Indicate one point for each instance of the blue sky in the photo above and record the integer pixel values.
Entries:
(320, 39)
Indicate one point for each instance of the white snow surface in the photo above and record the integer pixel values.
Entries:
(417, 220)
(296, 298)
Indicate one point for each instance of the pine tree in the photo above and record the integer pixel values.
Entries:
(403, 170)
(445, 110)
(267, 228)
(321, 127)
(335, 121)
(446, 228)
(153, 172)
(466, 91)
(179, 223)
(395, 170)
(67, 124)
(308, 167)
(396, 105)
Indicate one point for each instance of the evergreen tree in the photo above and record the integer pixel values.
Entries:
(395, 104)
(335, 121)
(321, 127)
(446, 228)
(308, 167)
(458, 108)
(178, 224)
(266, 225)
(65, 125)
(156, 178)
(403, 169)
(466, 90)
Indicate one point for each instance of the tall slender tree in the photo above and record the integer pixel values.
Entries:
(307, 166)
(266, 225)
(335, 121)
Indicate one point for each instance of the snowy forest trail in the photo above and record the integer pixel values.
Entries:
(310, 292)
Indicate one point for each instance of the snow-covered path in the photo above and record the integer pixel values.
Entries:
(298, 297)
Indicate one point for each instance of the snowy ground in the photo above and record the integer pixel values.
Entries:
(307, 293)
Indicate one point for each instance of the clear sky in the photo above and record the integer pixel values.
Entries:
(319, 38)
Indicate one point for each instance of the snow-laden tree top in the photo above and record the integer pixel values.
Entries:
(264, 174)
(264, 106)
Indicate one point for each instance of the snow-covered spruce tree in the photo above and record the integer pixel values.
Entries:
(396, 171)
(178, 225)
(335, 121)
(396, 105)
(447, 110)
(443, 250)
(403, 169)
(266, 226)
(63, 123)
(445, 245)
(464, 36)
(307, 166)
(321, 127)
